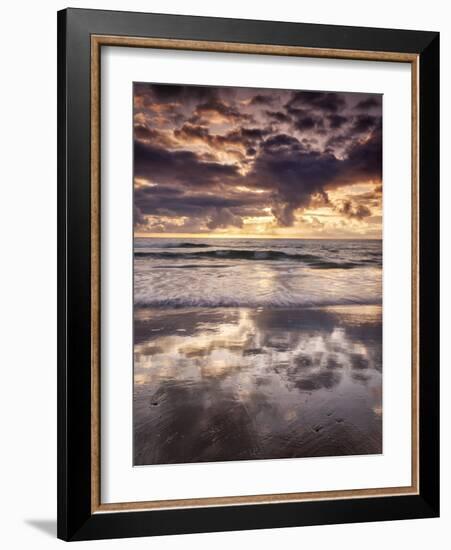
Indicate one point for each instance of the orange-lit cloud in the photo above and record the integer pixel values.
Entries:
(246, 162)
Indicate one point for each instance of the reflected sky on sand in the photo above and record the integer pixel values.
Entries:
(241, 384)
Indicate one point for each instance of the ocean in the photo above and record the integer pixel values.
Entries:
(257, 272)
(249, 349)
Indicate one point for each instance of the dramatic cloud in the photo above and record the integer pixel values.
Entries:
(358, 211)
(321, 101)
(366, 104)
(223, 217)
(247, 161)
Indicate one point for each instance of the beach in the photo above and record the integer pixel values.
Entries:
(245, 372)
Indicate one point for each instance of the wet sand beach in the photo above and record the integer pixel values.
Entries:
(237, 383)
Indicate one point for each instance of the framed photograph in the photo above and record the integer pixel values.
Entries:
(248, 274)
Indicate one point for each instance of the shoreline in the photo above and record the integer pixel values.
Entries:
(220, 384)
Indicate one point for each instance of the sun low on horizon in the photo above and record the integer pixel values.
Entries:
(220, 162)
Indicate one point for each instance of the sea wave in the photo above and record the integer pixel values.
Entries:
(272, 301)
(319, 262)
(158, 244)
(264, 273)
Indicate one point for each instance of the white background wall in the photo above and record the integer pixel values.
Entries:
(28, 271)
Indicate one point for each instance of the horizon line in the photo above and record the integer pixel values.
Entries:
(236, 237)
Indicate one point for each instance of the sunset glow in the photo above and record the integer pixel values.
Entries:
(240, 162)
(257, 274)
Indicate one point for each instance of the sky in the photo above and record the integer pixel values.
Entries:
(246, 162)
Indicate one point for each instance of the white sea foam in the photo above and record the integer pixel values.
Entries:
(256, 273)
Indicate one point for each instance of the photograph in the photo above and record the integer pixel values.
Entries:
(248, 271)
(257, 273)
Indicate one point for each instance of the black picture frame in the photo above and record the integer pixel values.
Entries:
(76, 520)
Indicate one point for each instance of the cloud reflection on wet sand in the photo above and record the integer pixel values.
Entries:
(241, 384)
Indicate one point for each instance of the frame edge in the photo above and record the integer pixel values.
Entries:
(76, 524)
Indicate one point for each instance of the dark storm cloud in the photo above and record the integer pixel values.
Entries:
(242, 143)
(294, 174)
(182, 167)
(138, 217)
(221, 109)
(275, 142)
(190, 200)
(168, 93)
(193, 131)
(366, 104)
(247, 137)
(321, 101)
(364, 159)
(261, 99)
(306, 122)
(336, 121)
(216, 155)
(222, 218)
(338, 141)
(154, 199)
(155, 137)
(278, 116)
(364, 123)
(357, 212)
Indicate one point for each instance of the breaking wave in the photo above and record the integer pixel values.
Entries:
(251, 255)
(285, 301)
(256, 273)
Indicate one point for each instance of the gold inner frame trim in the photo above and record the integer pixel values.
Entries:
(97, 41)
